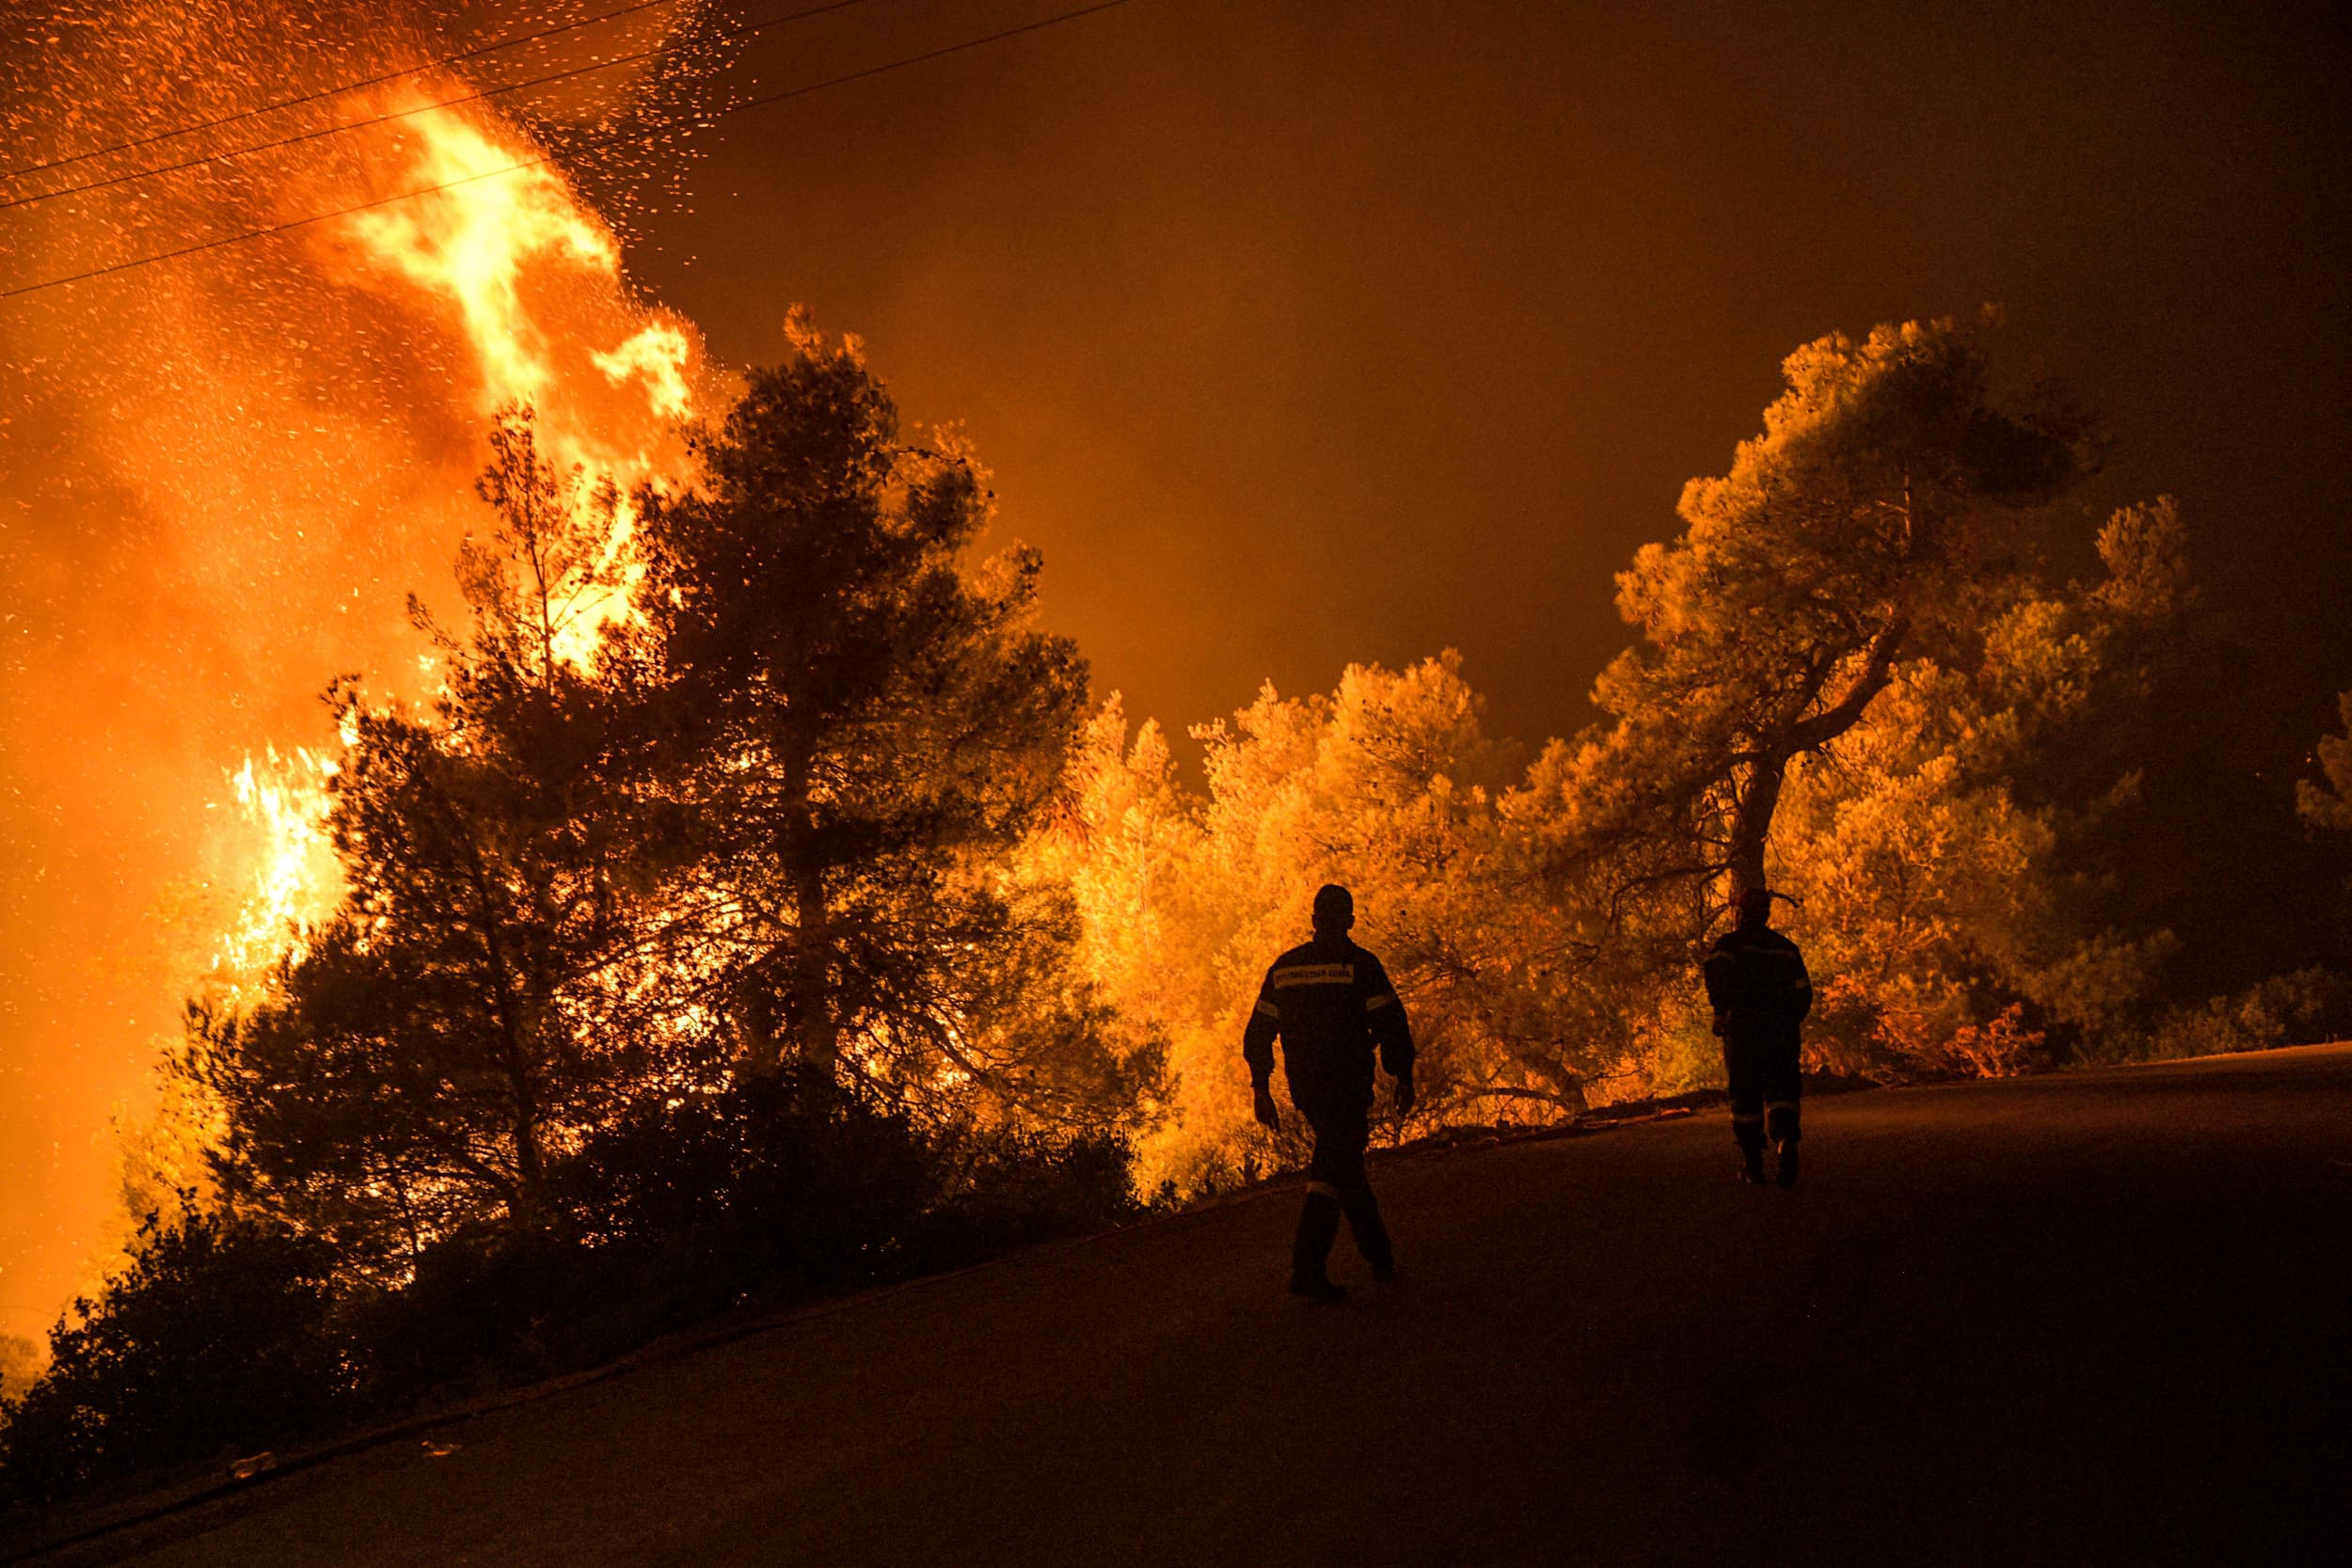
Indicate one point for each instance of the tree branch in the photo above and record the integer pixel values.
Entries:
(1878, 667)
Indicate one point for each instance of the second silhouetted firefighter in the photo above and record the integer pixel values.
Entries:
(1757, 985)
(1330, 1004)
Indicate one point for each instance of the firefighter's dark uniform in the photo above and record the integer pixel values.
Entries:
(1757, 985)
(1330, 1002)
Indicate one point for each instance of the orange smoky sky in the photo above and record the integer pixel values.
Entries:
(1301, 333)
(1295, 333)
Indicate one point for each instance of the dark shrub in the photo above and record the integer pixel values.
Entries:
(672, 1212)
(215, 1342)
(1007, 1189)
(220, 1339)
(780, 1178)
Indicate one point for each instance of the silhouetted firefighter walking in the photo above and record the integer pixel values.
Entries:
(1330, 1002)
(1757, 985)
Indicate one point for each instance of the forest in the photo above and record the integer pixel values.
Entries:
(766, 906)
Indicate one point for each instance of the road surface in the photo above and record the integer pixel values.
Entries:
(2100, 1318)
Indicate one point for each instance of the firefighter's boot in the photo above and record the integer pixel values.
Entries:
(1751, 1139)
(1372, 1236)
(1781, 1120)
(1311, 1250)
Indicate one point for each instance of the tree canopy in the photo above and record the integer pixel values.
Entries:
(1875, 518)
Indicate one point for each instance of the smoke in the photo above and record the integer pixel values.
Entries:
(220, 476)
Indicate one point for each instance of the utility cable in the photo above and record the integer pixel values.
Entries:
(479, 95)
(593, 144)
(446, 61)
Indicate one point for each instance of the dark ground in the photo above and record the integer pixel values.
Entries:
(2102, 1318)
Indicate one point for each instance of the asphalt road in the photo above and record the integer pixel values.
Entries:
(2103, 1317)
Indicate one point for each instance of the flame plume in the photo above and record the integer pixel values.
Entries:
(220, 478)
(501, 250)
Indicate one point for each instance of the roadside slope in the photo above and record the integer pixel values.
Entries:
(2098, 1317)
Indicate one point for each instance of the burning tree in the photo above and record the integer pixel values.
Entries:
(436, 1046)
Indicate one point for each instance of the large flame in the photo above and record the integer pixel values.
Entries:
(227, 474)
(502, 243)
(657, 357)
(471, 243)
(499, 243)
(499, 249)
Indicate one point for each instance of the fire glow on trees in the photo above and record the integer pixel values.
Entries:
(336, 389)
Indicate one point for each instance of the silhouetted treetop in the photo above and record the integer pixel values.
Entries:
(1873, 518)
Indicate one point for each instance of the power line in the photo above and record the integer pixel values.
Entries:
(475, 97)
(615, 140)
(332, 92)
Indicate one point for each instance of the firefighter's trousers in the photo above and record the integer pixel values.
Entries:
(1338, 1186)
(1765, 1087)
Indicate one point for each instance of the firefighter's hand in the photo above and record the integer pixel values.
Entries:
(1404, 1097)
(1267, 1114)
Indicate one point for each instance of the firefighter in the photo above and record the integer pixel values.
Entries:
(1757, 983)
(1330, 1003)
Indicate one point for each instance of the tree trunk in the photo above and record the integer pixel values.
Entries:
(809, 1002)
(754, 1015)
(1757, 797)
(813, 1024)
(515, 1030)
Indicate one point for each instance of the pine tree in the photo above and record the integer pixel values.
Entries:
(859, 727)
(430, 1052)
(1874, 518)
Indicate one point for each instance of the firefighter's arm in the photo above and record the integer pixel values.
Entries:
(1716, 971)
(1257, 1049)
(1800, 988)
(1384, 1014)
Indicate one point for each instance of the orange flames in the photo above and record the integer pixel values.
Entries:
(532, 280)
(658, 355)
(501, 251)
(500, 244)
(285, 800)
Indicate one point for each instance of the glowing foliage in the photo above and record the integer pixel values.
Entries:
(1877, 516)
(1851, 670)
(1384, 786)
